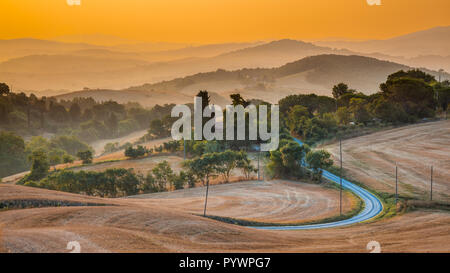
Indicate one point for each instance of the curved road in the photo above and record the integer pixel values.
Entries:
(372, 206)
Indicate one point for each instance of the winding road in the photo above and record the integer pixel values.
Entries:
(372, 206)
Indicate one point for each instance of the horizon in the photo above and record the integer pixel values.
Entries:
(252, 21)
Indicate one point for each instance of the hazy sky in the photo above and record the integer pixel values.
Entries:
(205, 21)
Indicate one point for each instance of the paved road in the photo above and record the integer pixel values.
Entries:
(372, 207)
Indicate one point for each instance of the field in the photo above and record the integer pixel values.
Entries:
(127, 225)
(268, 201)
(171, 221)
(415, 148)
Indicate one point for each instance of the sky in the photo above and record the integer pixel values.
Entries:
(211, 21)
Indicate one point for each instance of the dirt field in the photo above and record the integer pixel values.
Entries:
(133, 226)
(371, 159)
(167, 222)
(268, 201)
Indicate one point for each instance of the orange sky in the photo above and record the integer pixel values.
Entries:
(206, 21)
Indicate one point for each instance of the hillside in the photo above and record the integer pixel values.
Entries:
(45, 69)
(434, 41)
(316, 74)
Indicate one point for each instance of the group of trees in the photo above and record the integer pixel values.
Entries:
(110, 183)
(405, 97)
(219, 163)
(139, 151)
(292, 160)
(17, 155)
(114, 182)
(83, 117)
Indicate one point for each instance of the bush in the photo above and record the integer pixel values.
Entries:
(85, 156)
(135, 153)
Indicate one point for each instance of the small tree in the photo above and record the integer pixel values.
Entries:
(179, 180)
(343, 115)
(67, 158)
(135, 153)
(163, 175)
(190, 179)
(341, 89)
(85, 156)
(202, 168)
(245, 164)
(4, 89)
(39, 165)
(317, 161)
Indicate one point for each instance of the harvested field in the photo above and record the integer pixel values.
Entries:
(270, 202)
(132, 226)
(371, 159)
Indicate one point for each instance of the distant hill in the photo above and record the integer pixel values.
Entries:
(15, 48)
(82, 67)
(75, 66)
(44, 64)
(317, 74)
(434, 41)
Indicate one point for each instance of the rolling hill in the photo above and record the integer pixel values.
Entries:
(101, 67)
(434, 41)
(316, 74)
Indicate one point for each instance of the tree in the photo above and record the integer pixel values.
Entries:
(225, 162)
(13, 157)
(157, 128)
(149, 184)
(201, 167)
(341, 89)
(205, 98)
(39, 165)
(4, 89)
(237, 99)
(205, 102)
(296, 117)
(179, 180)
(317, 161)
(163, 176)
(245, 164)
(343, 115)
(85, 156)
(71, 144)
(75, 112)
(55, 156)
(414, 74)
(358, 107)
(135, 153)
(414, 95)
(287, 160)
(67, 158)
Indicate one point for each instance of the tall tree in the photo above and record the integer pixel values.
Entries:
(4, 89)
(39, 165)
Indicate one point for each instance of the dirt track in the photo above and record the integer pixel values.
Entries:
(371, 159)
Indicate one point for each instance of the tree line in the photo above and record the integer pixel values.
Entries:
(82, 117)
(405, 97)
